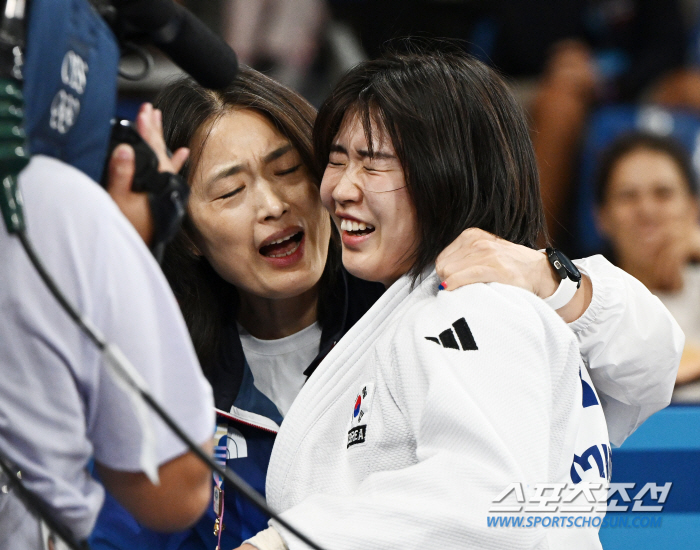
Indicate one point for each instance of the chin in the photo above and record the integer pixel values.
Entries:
(362, 270)
(290, 285)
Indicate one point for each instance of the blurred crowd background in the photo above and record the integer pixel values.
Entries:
(611, 87)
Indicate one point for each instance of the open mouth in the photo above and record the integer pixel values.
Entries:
(356, 228)
(283, 247)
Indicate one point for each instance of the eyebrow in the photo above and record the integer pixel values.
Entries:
(335, 148)
(364, 153)
(237, 168)
(225, 173)
(277, 153)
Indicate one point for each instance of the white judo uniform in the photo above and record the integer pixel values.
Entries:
(428, 408)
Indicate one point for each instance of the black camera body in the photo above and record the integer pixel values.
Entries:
(124, 131)
(167, 192)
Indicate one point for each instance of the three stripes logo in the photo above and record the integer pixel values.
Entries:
(447, 339)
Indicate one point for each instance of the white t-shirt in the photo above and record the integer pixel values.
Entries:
(278, 365)
(58, 405)
(684, 305)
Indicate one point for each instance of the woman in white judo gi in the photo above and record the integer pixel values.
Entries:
(434, 402)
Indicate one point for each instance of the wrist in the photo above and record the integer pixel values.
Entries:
(268, 539)
(578, 305)
(569, 279)
(547, 280)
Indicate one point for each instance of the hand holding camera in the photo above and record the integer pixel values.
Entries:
(138, 154)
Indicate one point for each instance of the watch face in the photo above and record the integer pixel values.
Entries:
(570, 268)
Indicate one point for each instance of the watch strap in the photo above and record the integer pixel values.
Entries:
(563, 295)
(563, 265)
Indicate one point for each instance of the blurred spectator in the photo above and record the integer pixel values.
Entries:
(648, 210)
(281, 37)
(681, 88)
(583, 52)
(630, 42)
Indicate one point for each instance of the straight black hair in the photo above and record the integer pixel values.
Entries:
(460, 136)
(639, 140)
(208, 301)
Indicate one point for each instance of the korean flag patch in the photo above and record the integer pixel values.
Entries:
(359, 418)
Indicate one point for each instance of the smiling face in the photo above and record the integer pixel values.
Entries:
(257, 214)
(370, 204)
(647, 205)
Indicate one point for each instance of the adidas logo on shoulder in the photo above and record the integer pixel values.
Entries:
(447, 339)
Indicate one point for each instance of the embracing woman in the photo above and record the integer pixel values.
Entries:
(257, 273)
(434, 403)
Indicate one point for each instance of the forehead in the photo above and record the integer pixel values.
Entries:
(354, 131)
(646, 167)
(246, 126)
(235, 135)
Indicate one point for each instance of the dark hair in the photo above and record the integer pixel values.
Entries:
(460, 136)
(635, 141)
(205, 298)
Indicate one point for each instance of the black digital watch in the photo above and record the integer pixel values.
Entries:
(563, 266)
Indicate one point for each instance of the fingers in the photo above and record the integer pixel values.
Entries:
(669, 260)
(669, 266)
(571, 67)
(570, 53)
(121, 170)
(483, 266)
(460, 247)
(570, 45)
(469, 275)
(149, 124)
(178, 159)
(473, 246)
(133, 205)
(477, 256)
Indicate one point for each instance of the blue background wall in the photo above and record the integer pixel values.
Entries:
(665, 448)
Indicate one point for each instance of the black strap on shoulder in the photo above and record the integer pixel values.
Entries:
(354, 299)
(227, 374)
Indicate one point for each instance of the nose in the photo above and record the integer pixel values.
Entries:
(271, 204)
(347, 188)
(647, 207)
